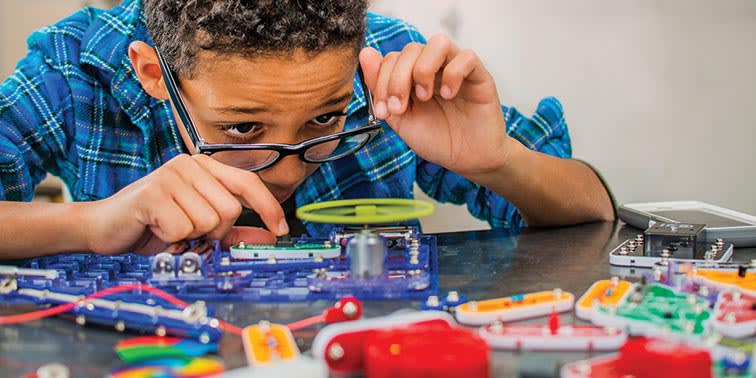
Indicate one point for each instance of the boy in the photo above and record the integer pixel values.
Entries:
(166, 118)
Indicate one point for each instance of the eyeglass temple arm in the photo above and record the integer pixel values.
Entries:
(368, 95)
(172, 88)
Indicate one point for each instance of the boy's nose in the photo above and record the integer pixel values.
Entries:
(285, 174)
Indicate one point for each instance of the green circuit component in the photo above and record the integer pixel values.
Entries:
(658, 307)
(285, 251)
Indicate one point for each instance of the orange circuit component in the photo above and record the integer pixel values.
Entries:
(727, 279)
(514, 307)
(605, 292)
(266, 343)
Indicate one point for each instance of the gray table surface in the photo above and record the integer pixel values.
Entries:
(481, 264)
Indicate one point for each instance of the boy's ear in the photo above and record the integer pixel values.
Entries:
(144, 60)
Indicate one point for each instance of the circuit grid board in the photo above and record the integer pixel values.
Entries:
(208, 273)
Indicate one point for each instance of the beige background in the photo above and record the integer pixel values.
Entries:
(660, 94)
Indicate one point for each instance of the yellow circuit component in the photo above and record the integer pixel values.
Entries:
(606, 292)
(266, 343)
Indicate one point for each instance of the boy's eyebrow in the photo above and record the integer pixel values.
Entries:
(336, 100)
(239, 109)
(255, 110)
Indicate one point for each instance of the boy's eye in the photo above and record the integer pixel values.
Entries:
(241, 129)
(327, 119)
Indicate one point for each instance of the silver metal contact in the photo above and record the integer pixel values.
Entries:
(367, 253)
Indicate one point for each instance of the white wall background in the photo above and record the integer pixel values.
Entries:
(660, 94)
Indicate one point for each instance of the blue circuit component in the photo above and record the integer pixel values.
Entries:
(133, 309)
(212, 274)
(446, 303)
(737, 363)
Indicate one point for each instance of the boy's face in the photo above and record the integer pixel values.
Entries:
(277, 99)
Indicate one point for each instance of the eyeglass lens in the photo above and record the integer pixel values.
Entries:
(317, 153)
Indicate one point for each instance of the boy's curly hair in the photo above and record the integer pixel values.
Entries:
(180, 29)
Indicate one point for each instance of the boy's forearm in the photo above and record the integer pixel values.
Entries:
(39, 228)
(548, 191)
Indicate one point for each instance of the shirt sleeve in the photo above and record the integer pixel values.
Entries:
(35, 104)
(546, 131)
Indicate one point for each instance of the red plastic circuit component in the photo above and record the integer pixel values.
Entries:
(430, 351)
(672, 359)
(352, 347)
(347, 308)
(646, 358)
(554, 323)
(735, 314)
(341, 345)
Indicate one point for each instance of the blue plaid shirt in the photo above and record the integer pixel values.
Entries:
(74, 108)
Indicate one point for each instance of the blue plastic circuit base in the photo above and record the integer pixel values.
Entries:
(206, 273)
(411, 273)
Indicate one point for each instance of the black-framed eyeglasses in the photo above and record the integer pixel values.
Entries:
(259, 156)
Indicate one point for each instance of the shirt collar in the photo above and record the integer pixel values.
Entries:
(358, 98)
(105, 55)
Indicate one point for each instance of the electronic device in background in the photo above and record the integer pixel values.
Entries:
(730, 225)
(663, 243)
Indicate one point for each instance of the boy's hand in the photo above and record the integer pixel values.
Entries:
(442, 102)
(188, 197)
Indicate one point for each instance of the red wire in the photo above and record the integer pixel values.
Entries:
(307, 322)
(34, 315)
(55, 310)
(59, 309)
(230, 328)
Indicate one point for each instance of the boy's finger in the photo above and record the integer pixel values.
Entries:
(203, 216)
(253, 191)
(168, 221)
(249, 235)
(437, 52)
(460, 68)
(225, 204)
(370, 61)
(400, 80)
